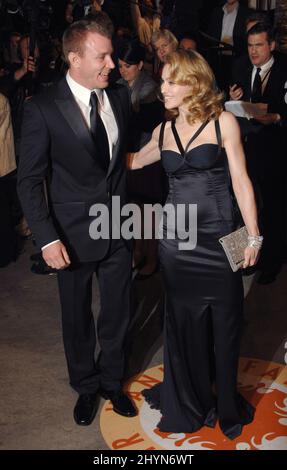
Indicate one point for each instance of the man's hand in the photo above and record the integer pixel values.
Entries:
(56, 256)
(235, 92)
(268, 118)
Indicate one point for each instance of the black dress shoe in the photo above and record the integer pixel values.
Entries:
(122, 404)
(86, 408)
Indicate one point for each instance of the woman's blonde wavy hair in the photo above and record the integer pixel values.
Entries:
(204, 101)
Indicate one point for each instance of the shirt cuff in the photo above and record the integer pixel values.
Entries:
(48, 244)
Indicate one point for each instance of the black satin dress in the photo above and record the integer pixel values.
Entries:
(204, 299)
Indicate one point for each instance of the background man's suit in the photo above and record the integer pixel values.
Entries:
(239, 31)
(57, 146)
(265, 151)
(275, 90)
(220, 61)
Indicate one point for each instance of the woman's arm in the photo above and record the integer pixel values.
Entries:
(150, 153)
(241, 183)
(135, 13)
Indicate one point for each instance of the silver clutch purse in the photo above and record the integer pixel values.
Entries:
(234, 245)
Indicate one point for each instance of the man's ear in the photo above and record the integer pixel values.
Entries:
(74, 60)
(272, 45)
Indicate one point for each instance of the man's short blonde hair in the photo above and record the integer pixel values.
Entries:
(75, 35)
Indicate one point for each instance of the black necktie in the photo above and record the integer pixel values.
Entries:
(256, 95)
(99, 133)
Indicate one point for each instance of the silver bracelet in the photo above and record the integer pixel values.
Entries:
(255, 241)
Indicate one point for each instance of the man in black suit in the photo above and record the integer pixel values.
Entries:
(264, 80)
(227, 24)
(261, 47)
(73, 138)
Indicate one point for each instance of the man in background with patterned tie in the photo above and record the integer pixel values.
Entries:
(73, 140)
(265, 81)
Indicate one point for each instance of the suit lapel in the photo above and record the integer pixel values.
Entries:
(72, 114)
(270, 85)
(70, 110)
(248, 78)
(218, 24)
(237, 25)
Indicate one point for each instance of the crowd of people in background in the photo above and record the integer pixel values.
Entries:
(234, 39)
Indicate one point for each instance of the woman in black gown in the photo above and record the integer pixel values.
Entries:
(200, 147)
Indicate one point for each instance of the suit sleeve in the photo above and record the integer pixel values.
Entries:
(279, 103)
(127, 99)
(33, 170)
(215, 23)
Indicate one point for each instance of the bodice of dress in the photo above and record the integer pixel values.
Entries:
(201, 157)
(199, 175)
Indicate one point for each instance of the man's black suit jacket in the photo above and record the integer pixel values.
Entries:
(275, 92)
(57, 148)
(265, 144)
(239, 31)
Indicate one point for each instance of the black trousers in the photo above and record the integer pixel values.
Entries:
(79, 332)
(265, 159)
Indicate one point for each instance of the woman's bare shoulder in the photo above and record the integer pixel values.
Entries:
(227, 119)
(229, 125)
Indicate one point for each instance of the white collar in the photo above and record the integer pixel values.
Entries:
(265, 67)
(224, 8)
(81, 92)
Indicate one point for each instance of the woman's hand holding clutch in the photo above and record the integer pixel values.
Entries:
(251, 255)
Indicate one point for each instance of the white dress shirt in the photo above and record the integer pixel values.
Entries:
(82, 96)
(264, 73)
(228, 23)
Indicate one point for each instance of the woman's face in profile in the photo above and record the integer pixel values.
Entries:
(129, 72)
(173, 93)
